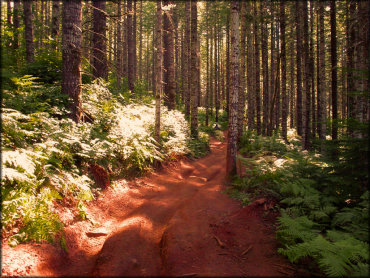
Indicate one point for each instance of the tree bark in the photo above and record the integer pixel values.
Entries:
(299, 113)
(100, 66)
(265, 73)
(158, 76)
(284, 111)
(16, 22)
(168, 57)
(257, 65)
(71, 54)
(234, 91)
(241, 96)
(334, 74)
(194, 71)
(131, 48)
(250, 71)
(187, 60)
(28, 31)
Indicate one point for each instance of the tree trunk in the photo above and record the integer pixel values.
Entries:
(55, 20)
(119, 45)
(257, 65)
(208, 76)
(265, 73)
(307, 80)
(16, 22)
(227, 62)
(299, 113)
(141, 42)
(130, 48)
(241, 96)
(321, 103)
(194, 71)
(334, 74)
(158, 76)
(168, 58)
(28, 31)
(234, 91)
(284, 110)
(187, 60)
(250, 71)
(100, 67)
(71, 54)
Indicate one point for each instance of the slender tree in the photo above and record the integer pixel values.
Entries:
(234, 91)
(168, 56)
(131, 48)
(100, 66)
(186, 77)
(298, 14)
(241, 96)
(334, 73)
(158, 76)
(16, 23)
(194, 71)
(284, 111)
(28, 31)
(257, 71)
(265, 73)
(71, 54)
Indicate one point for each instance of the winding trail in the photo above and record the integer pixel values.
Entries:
(175, 222)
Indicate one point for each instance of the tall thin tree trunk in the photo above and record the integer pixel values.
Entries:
(299, 113)
(257, 64)
(234, 75)
(158, 76)
(284, 111)
(130, 48)
(194, 71)
(334, 74)
(250, 71)
(187, 60)
(28, 31)
(307, 80)
(16, 22)
(322, 82)
(119, 45)
(141, 41)
(241, 96)
(168, 58)
(265, 73)
(71, 54)
(100, 67)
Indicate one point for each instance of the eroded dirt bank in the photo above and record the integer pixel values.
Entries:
(176, 222)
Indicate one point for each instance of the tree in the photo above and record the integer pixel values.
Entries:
(131, 48)
(186, 77)
(298, 14)
(28, 31)
(241, 96)
(234, 91)
(334, 74)
(100, 67)
(257, 71)
(250, 70)
(71, 55)
(158, 79)
(307, 80)
(321, 98)
(194, 71)
(265, 73)
(16, 22)
(168, 56)
(284, 111)
(55, 19)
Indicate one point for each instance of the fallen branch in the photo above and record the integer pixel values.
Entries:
(222, 245)
(247, 250)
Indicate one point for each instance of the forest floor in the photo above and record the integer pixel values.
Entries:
(174, 222)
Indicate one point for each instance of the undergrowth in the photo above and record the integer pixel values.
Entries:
(46, 156)
(324, 202)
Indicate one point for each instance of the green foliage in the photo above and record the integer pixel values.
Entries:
(325, 210)
(199, 147)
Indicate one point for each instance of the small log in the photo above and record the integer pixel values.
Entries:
(247, 250)
(222, 245)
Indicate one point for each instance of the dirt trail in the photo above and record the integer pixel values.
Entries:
(176, 222)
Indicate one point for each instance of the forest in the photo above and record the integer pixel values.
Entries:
(185, 138)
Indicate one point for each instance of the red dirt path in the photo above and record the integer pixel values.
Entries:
(176, 222)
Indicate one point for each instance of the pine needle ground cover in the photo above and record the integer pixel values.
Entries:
(324, 206)
(46, 156)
